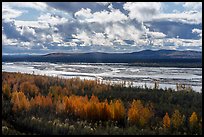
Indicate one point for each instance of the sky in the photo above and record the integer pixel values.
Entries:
(47, 27)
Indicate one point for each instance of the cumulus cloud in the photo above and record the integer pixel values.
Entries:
(113, 34)
(27, 31)
(100, 39)
(6, 41)
(83, 14)
(92, 39)
(108, 27)
(156, 34)
(114, 15)
(182, 42)
(122, 32)
(197, 31)
(191, 13)
(142, 11)
(52, 19)
(83, 36)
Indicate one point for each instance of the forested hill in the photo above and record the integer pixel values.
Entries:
(145, 56)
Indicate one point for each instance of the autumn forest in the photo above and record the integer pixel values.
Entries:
(34, 104)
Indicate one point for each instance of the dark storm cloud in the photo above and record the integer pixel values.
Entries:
(11, 32)
(9, 29)
(76, 6)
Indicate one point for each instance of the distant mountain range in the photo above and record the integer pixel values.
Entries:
(145, 56)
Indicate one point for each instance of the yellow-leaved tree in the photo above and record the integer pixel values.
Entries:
(177, 119)
(117, 110)
(19, 101)
(193, 120)
(139, 114)
(6, 90)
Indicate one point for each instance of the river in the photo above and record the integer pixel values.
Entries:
(114, 72)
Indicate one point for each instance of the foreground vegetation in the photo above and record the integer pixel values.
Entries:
(51, 105)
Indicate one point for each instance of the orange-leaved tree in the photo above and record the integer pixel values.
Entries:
(166, 121)
(193, 122)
